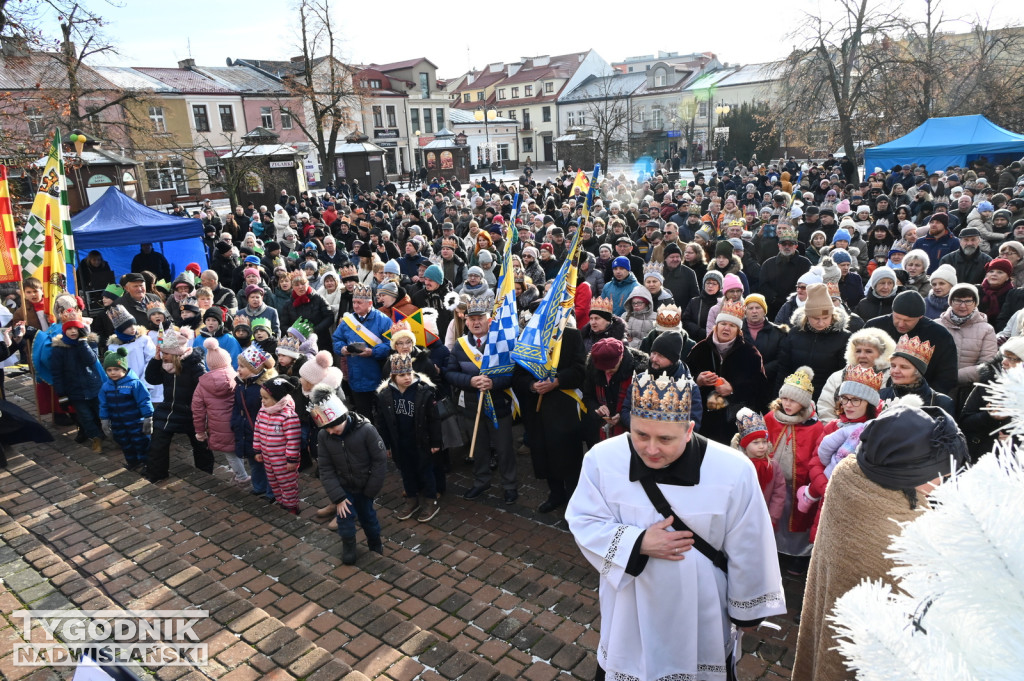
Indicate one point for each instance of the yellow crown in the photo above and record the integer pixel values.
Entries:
(802, 378)
(865, 376)
(733, 308)
(348, 272)
(661, 399)
(915, 347)
(669, 316)
(602, 305)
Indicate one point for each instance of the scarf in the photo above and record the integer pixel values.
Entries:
(957, 319)
(723, 348)
(298, 301)
(124, 337)
(763, 466)
(754, 328)
(990, 297)
(40, 307)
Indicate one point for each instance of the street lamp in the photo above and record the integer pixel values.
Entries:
(486, 115)
(721, 110)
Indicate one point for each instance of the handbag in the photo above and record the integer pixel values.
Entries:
(445, 408)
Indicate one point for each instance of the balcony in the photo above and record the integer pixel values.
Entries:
(525, 126)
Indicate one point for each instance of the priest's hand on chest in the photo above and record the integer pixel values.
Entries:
(660, 541)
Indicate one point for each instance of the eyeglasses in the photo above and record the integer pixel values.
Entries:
(852, 401)
(801, 287)
(963, 303)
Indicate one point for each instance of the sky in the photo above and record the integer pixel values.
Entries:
(458, 36)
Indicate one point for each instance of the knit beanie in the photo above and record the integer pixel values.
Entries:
(713, 274)
(669, 345)
(120, 318)
(964, 290)
(909, 304)
(881, 273)
(841, 235)
(1015, 345)
(116, 358)
(216, 312)
(279, 387)
(946, 273)
(389, 288)
(475, 270)
(73, 324)
(216, 356)
(818, 300)
(325, 406)
(314, 370)
(799, 385)
(435, 274)
(731, 282)
(621, 261)
(756, 298)
(1001, 264)
(391, 267)
(606, 354)
(723, 247)
(811, 276)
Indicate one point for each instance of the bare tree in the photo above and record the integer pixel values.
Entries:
(333, 102)
(609, 114)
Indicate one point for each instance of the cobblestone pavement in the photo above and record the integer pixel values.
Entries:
(483, 591)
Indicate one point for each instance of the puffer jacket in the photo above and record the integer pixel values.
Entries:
(427, 424)
(928, 396)
(174, 413)
(245, 408)
(353, 462)
(125, 400)
(975, 344)
(364, 372)
(638, 325)
(619, 292)
(872, 306)
(823, 351)
(77, 373)
(212, 404)
(594, 276)
(990, 238)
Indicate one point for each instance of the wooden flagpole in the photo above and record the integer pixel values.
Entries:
(476, 423)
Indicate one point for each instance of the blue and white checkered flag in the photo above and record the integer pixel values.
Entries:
(501, 337)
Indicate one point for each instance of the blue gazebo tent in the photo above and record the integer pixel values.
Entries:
(115, 225)
(942, 142)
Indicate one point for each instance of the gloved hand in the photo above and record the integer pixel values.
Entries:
(105, 425)
(147, 425)
(804, 501)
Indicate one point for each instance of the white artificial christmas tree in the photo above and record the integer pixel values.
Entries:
(958, 611)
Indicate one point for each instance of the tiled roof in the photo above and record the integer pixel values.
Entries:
(279, 68)
(186, 81)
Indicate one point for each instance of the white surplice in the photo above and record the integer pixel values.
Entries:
(672, 621)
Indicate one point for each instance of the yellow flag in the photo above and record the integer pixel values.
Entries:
(582, 182)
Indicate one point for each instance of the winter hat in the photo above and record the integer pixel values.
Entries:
(723, 247)
(475, 270)
(74, 323)
(906, 227)
(841, 235)
(713, 274)
(175, 343)
(550, 248)
(434, 274)
(194, 268)
(1015, 245)
(818, 300)
(909, 304)
(862, 382)
(1015, 345)
(756, 298)
(116, 358)
(606, 354)
(809, 277)
(391, 267)
(279, 387)
(325, 406)
(671, 249)
(799, 385)
(751, 426)
(113, 291)
(737, 245)
(840, 255)
(908, 446)
(863, 208)
(705, 234)
(216, 312)
(914, 350)
(939, 217)
(669, 345)
(1001, 264)
(250, 270)
(120, 318)
(621, 261)
(985, 206)
(222, 247)
(946, 273)
(532, 252)
(965, 290)
(731, 282)
(881, 273)
(216, 357)
(731, 312)
(389, 288)
(315, 370)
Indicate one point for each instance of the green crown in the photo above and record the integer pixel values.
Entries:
(301, 328)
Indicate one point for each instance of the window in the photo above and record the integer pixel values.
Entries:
(640, 113)
(572, 119)
(480, 95)
(702, 110)
(656, 118)
(529, 91)
(267, 117)
(392, 120)
(414, 116)
(465, 97)
(227, 117)
(631, 69)
(502, 152)
(582, 117)
(425, 85)
(286, 120)
(659, 78)
(215, 169)
(440, 117)
(35, 121)
(545, 114)
(501, 93)
(378, 117)
(549, 87)
(156, 115)
(528, 145)
(92, 119)
(169, 174)
(428, 122)
(373, 84)
(515, 93)
(512, 114)
(202, 121)
(526, 119)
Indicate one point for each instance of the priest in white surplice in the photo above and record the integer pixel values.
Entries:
(667, 612)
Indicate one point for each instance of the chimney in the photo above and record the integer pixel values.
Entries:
(14, 46)
(187, 64)
(496, 66)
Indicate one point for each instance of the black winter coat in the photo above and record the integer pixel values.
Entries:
(616, 330)
(823, 351)
(744, 370)
(425, 419)
(695, 316)
(461, 370)
(969, 269)
(871, 306)
(174, 414)
(354, 462)
(942, 370)
(769, 338)
(778, 279)
(316, 312)
(682, 283)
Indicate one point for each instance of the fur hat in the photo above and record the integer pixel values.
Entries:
(799, 386)
(314, 370)
(116, 358)
(216, 357)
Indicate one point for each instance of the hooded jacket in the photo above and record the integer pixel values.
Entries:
(619, 292)
(125, 400)
(212, 404)
(77, 373)
(638, 325)
(354, 462)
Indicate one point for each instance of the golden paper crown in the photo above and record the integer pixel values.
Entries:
(802, 378)
(450, 242)
(602, 305)
(916, 348)
(289, 346)
(653, 268)
(480, 305)
(669, 316)
(865, 376)
(348, 272)
(241, 320)
(661, 399)
(362, 291)
(733, 308)
(401, 364)
(402, 327)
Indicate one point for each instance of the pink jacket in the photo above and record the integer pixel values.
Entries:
(775, 493)
(211, 408)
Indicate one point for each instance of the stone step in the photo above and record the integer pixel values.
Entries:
(83, 555)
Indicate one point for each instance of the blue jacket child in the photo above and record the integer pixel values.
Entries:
(126, 405)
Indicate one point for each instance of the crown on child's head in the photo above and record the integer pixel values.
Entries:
(751, 426)
(401, 363)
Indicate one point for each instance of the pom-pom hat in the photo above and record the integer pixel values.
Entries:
(216, 356)
(799, 387)
(325, 406)
(116, 358)
(314, 370)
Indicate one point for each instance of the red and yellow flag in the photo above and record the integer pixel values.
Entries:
(582, 182)
(54, 269)
(10, 263)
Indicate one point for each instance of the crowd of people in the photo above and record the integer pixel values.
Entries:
(347, 326)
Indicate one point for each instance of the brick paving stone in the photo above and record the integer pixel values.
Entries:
(546, 647)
